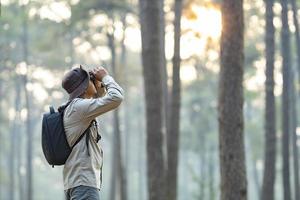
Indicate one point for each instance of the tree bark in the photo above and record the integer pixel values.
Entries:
(29, 192)
(297, 33)
(13, 140)
(127, 115)
(211, 170)
(173, 132)
(270, 122)
(164, 71)
(231, 122)
(202, 169)
(1, 133)
(150, 19)
(294, 118)
(294, 102)
(118, 183)
(285, 52)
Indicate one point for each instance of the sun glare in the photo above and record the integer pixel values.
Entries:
(206, 21)
(199, 25)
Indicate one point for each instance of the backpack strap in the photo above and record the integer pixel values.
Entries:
(98, 135)
(87, 139)
(62, 108)
(87, 131)
(88, 136)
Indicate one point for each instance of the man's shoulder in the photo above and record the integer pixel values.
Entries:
(80, 105)
(79, 102)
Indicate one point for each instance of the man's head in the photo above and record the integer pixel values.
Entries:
(78, 84)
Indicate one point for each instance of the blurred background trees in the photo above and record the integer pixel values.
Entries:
(166, 55)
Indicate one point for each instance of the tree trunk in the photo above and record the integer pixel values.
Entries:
(285, 51)
(118, 161)
(117, 165)
(294, 103)
(1, 133)
(211, 169)
(173, 132)
(294, 118)
(127, 116)
(202, 169)
(13, 140)
(297, 33)
(150, 19)
(231, 122)
(165, 90)
(29, 142)
(29, 191)
(164, 71)
(141, 153)
(113, 171)
(19, 146)
(270, 122)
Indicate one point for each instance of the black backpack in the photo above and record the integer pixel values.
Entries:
(54, 142)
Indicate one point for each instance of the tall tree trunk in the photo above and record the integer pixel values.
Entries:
(202, 169)
(118, 161)
(294, 118)
(297, 34)
(285, 51)
(231, 122)
(114, 173)
(165, 91)
(29, 191)
(270, 122)
(140, 164)
(173, 132)
(252, 161)
(127, 116)
(211, 169)
(141, 153)
(13, 141)
(19, 146)
(164, 72)
(150, 19)
(294, 103)
(1, 133)
(29, 141)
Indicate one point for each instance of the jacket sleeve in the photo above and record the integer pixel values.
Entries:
(92, 108)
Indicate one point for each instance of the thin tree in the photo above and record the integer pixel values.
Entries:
(13, 139)
(270, 122)
(164, 72)
(1, 133)
(294, 118)
(294, 102)
(285, 52)
(231, 122)
(127, 116)
(118, 175)
(29, 192)
(297, 33)
(173, 132)
(150, 18)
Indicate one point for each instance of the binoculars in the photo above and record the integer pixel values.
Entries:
(93, 78)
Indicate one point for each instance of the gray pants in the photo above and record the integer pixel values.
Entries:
(82, 193)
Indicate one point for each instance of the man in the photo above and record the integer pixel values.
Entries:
(82, 171)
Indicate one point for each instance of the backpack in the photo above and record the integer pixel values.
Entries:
(54, 141)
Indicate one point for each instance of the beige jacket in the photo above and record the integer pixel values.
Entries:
(80, 168)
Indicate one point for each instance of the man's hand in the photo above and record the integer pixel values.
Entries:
(99, 73)
(100, 88)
